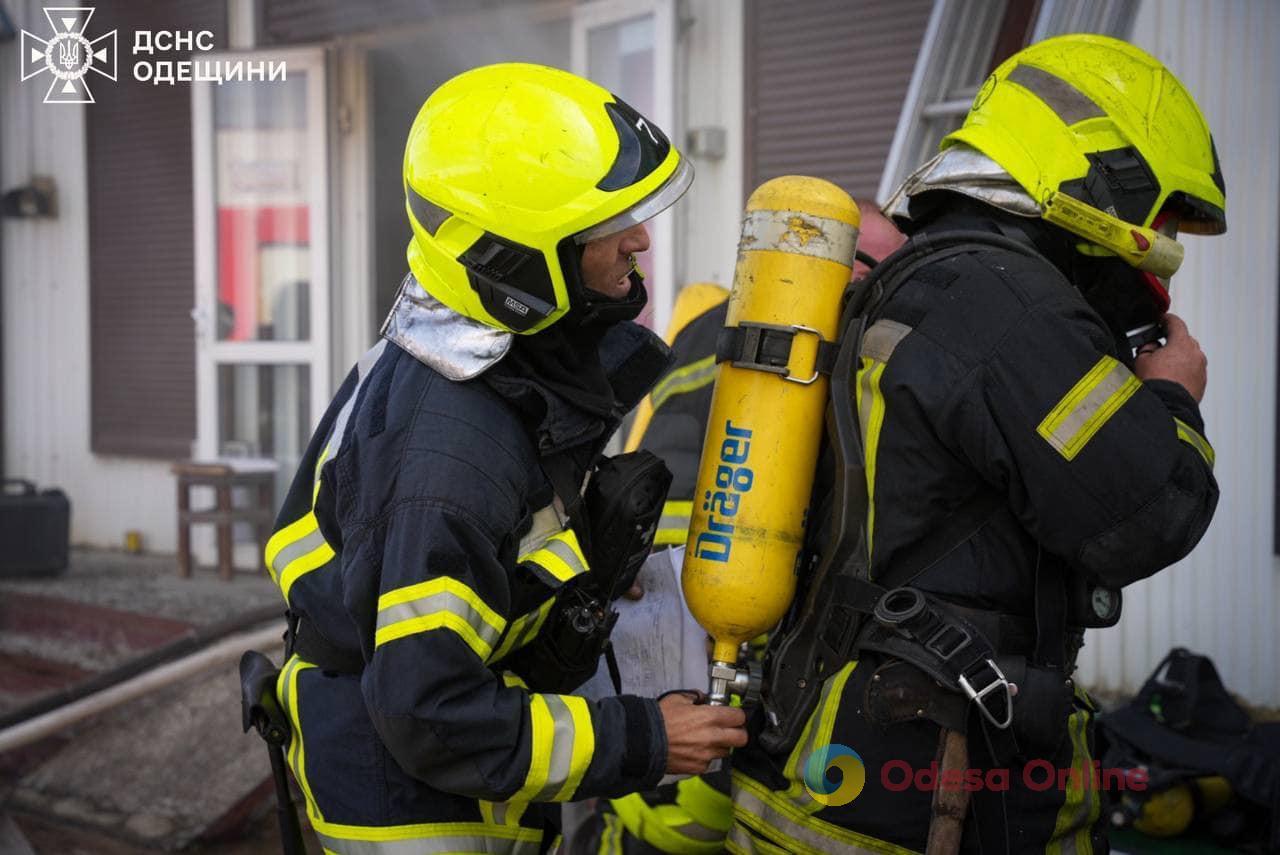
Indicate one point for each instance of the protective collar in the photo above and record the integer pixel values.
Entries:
(967, 171)
(440, 338)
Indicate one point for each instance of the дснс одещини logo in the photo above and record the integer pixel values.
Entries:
(69, 55)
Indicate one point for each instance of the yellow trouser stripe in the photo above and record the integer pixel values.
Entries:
(1088, 406)
(436, 838)
(563, 741)
(685, 379)
(668, 828)
(442, 602)
(560, 556)
(816, 734)
(1081, 803)
(774, 816)
(287, 692)
(1192, 437)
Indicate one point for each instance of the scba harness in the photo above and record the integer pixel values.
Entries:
(962, 659)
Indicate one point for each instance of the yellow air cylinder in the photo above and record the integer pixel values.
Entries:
(799, 235)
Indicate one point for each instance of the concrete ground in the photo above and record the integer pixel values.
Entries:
(169, 770)
(149, 584)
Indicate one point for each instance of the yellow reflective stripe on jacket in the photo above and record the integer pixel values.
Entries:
(871, 418)
(1083, 411)
(523, 629)
(560, 558)
(766, 813)
(673, 526)
(688, 378)
(816, 734)
(878, 345)
(442, 602)
(1192, 437)
(563, 741)
(502, 813)
(287, 692)
(299, 548)
(436, 838)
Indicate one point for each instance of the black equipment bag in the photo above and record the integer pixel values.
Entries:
(1183, 724)
(35, 530)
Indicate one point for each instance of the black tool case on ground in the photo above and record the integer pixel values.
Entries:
(35, 529)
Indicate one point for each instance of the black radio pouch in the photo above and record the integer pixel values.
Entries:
(615, 523)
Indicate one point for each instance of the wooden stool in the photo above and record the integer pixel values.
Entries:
(223, 475)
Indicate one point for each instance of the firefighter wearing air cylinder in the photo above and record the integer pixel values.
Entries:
(1012, 435)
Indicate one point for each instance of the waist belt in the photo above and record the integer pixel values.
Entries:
(311, 646)
(965, 650)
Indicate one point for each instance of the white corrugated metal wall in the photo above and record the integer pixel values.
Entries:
(46, 322)
(709, 95)
(1224, 599)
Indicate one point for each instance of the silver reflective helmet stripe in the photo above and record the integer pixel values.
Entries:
(647, 208)
(1061, 97)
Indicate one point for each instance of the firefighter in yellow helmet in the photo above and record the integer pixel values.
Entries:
(434, 530)
(1020, 464)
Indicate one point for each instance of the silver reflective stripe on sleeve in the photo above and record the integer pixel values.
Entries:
(445, 601)
(1087, 406)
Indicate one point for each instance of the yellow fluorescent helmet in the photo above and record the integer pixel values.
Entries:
(509, 169)
(1105, 139)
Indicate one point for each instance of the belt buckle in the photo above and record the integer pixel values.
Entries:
(947, 641)
(977, 695)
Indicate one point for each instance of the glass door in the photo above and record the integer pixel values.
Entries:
(627, 46)
(262, 260)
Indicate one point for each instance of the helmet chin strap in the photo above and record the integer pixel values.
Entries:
(599, 310)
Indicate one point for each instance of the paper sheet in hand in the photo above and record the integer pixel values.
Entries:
(658, 644)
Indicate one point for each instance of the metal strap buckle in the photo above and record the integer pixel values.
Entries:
(802, 329)
(753, 334)
(947, 641)
(978, 695)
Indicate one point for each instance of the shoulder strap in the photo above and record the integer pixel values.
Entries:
(823, 627)
(885, 280)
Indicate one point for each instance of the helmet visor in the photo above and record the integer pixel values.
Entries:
(646, 209)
